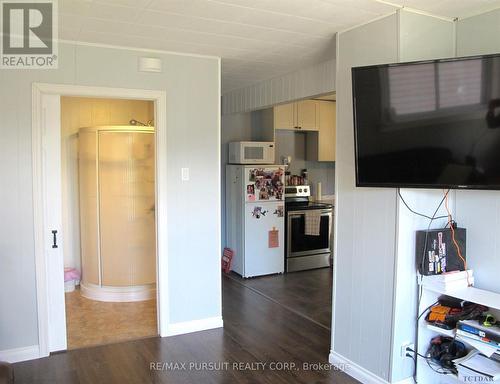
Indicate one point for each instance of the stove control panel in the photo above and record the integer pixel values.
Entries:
(298, 191)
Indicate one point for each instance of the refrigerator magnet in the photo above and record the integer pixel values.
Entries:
(250, 192)
(258, 212)
(279, 211)
(274, 240)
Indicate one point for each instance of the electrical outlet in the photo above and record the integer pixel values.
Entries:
(407, 348)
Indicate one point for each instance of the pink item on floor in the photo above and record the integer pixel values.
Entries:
(71, 274)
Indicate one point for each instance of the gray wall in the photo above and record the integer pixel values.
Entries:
(365, 219)
(193, 112)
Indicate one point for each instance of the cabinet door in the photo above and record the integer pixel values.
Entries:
(327, 131)
(284, 116)
(307, 115)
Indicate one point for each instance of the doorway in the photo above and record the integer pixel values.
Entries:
(108, 199)
(55, 232)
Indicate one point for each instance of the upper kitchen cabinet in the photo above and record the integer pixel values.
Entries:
(321, 144)
(284, 116)
(300, 116)
(307, 115)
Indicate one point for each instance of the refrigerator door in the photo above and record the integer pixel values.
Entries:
(263, 184)
(264, 238)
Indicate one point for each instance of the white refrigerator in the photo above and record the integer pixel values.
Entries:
(255, 222)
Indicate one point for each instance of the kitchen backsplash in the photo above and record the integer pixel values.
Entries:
(290, 143)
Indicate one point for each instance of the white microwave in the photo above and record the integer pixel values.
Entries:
(251, 152)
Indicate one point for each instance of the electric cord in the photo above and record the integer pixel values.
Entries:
(418, 213)
(436, 368)
(426, 310)
(422, 263)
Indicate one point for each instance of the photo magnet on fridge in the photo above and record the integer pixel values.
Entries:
(279, 211)
(250, 192)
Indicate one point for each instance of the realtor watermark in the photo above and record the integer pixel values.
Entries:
(244, 366)
(29, 34)
(477, 379)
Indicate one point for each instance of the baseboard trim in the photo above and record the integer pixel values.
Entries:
(20, 354)
(354, 370)
(194, 326)
(408, 380)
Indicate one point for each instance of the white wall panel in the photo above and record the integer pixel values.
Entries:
(421, 37)
(365, 220)
(479, 211)
(311, 81)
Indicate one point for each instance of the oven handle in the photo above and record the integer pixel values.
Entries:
(324, 212)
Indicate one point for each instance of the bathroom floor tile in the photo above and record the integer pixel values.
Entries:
(91, 322)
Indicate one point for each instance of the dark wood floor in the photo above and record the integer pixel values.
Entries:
(308, 293)
(257, 329)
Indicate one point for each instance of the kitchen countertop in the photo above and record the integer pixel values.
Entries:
(328, 199)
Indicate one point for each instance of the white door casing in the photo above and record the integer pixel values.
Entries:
(46, 150)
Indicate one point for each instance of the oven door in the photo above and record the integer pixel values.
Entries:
(300, 244)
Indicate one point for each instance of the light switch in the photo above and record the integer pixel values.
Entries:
(185, 174)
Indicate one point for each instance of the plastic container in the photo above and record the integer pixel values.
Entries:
(71, 278)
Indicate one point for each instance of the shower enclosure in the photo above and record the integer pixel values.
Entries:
(117, 213)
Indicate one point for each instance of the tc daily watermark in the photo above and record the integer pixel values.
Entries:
(29, 34)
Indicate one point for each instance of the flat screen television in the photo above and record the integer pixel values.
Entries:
(430, 124)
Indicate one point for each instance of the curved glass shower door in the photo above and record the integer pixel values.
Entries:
(127, 208)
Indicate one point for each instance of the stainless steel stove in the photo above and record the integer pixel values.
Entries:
(306, 251)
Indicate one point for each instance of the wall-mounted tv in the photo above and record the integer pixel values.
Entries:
(429, 124)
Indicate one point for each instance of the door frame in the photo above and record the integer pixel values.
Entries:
(52, 318)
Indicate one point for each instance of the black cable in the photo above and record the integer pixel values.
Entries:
(428, 360)
(418, 213)
(425, 310)
(419, 298)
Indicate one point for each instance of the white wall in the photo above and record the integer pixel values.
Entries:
(479, 34)
(314, 80)
(365, 220)
(421, 37)
(416, 37)
(375, 232)
(192, 85)
(479, 211)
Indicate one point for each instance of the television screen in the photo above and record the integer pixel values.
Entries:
(433, 124)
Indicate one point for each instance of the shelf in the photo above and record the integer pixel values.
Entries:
(441, 331)
(472, 294)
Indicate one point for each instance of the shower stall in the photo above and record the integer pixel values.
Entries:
(117, 213)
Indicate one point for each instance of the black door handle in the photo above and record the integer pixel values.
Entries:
(54, 239)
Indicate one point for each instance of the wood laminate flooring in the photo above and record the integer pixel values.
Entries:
(308, 293)
(256, 330)
(91, 322)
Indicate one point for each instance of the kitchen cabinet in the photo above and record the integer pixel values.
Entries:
(321, 144)
(285, 116)
(300, 116)
(307, 115)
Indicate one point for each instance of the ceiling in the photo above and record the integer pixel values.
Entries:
(257, 39)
